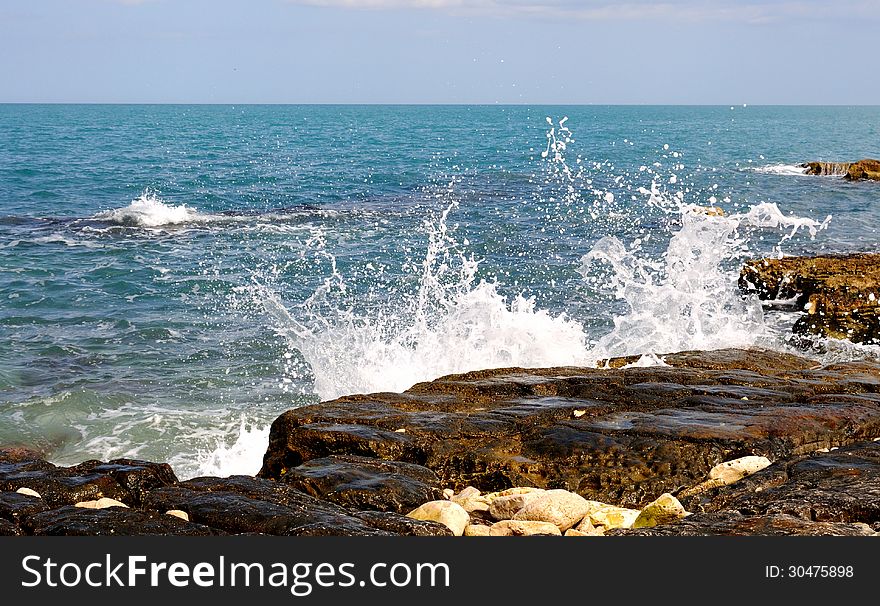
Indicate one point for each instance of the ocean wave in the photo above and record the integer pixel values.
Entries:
(453, 323)
(151, 211)
(778, 169)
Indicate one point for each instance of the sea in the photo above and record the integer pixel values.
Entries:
(173, 277)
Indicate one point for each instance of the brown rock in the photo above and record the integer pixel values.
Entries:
(15, 506)
(560, 507)
(523, 528)
(863, 169)
(477, 530)
(452, 515)
(402, 525)
(840, 293)
(112, 521)
(246, 505)
(826, 168)
(365, 483)
(643, 431)
(9, 529)
(731, 523)
(505, 505)
(838, 486)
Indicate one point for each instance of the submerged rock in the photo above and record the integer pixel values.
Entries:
(840, 293)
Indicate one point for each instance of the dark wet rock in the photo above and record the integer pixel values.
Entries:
(57, 485)
(19, 454)
(135, 476)
(14, 506)
(366, 483)
(77, 521)
(402, 525)
(125, 480)
(8, 529)
(840, 293)
(838, 486)
(730, 523)
(242, 504)
(617, 435)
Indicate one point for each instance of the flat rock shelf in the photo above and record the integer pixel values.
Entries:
(624, 435)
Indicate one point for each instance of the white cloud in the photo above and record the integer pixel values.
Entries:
(755, 11)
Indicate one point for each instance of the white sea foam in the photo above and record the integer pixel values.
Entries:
(151, 211)
(454, 323)
(779, 169)
(67, 241)
(242, 457)
(686, 298)
(689, 298)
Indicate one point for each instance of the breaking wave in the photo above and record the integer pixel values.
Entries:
(149, 210)
(779, 169)
(683, 298)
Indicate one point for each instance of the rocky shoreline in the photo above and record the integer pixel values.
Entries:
(725, 442)
(591, 443)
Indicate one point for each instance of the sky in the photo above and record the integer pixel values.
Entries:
(440, 51)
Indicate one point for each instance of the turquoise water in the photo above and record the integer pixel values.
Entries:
(173, 277)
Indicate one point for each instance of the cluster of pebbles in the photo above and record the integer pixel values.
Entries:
(528, 511)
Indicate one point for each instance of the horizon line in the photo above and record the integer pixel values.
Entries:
(438, 103)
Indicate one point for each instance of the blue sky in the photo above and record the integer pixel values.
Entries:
(440, 51)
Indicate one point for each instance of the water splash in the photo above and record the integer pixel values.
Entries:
(683, 296)
(779, 169)
(688, 297)
(243, 456)
(454, 322)
(149, 210)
